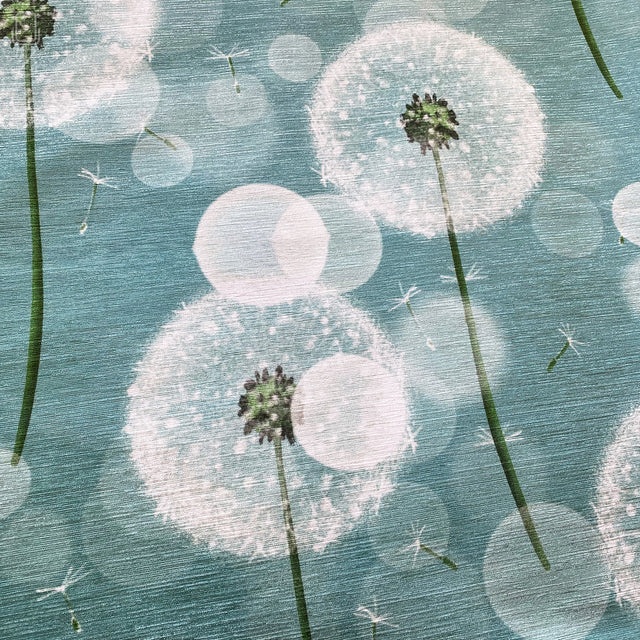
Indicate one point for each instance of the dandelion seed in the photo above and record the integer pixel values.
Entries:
(568, 332)
(405, 299)
(486, 440)
(473, 274)
(375, 618)
(97, 182)
(621, 240)
(217, 54)
(146, 50)
(70, 579)
(411, 435)
(323, 175)
(417, 546)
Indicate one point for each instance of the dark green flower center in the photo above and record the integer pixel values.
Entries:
(429, 122)
(26, 22)
(266, 407)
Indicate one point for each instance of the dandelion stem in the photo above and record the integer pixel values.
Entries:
(593, 46)
(373, 630)
(37, 280)
(446, 561)
(554, 361)
(485, 390)
(233, 74)
(296, 572)
(284, 3)
(74, 621)
(165, 140)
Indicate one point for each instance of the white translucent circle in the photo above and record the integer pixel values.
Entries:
(565, 602)
(116, 27)
(626, 212)
(355, 243)
(567, 223)
(35, 548)
(631, 285)
(234, 109)
(98, 98)
(161, 164)
(261, 244)
(451, 11)
(14, 483)
(433, 421)
(188, 445)
(386, 12)
(294, 57)
(618, 509)
(355, 119)
(131, 21)
(349, 413)
(397, 531)
(436, 346)
(119, 523)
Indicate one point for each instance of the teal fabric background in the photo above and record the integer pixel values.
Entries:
(109, 291)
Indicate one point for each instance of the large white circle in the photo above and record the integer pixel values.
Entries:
(436, 347)
(294, 57)
(94, 97)
(398, 531)
(261, 244)
(567, 223)
(626, 212)
(564, 603)
(355, 119)
(349, 413)
(160, 163)
(188, 443)
(355, 243)
(14, 483)
(618, 509)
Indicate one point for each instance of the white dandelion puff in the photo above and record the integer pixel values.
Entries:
(617, 509)
(355, 117)
(184, 427)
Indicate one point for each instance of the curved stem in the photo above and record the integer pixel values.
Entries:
(593, 46)
(37, 284)
(296, 572)
(485, 390)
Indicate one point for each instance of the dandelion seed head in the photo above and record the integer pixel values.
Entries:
(617, 506)
(26, 22)
(365, 155)
(196, 472)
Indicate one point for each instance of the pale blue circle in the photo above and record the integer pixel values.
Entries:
(565, 602)
(567, 223)
(158, 164)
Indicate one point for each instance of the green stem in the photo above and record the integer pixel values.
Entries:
(373, 630)
(593, 46)
(554, 361)
(37, 281)
(296, 572)
(485, 390)
(165, 140)
(446, 561)
(74, 621)
(233, 74)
